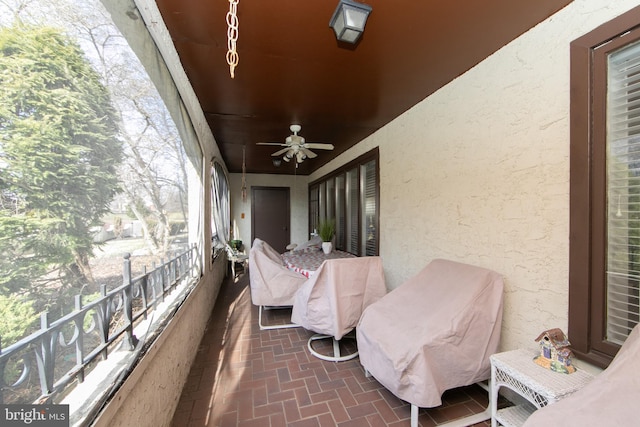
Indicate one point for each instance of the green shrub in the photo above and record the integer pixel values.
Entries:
(16, 317)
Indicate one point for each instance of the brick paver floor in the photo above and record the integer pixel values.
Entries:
(243, 376)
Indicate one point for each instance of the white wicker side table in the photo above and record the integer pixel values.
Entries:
(517, 371)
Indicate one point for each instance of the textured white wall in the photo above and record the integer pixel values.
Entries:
(298, 188)
(479, 172)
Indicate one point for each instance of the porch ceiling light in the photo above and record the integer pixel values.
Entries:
(349, 19)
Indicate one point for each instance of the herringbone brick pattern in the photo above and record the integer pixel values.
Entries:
(243, 376)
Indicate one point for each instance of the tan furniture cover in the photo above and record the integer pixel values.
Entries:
(609, 400)
(332, 300)
(434, 332)
(272, 284)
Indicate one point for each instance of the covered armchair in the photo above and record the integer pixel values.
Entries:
(331, 301)
(272, 283)
(433, 333)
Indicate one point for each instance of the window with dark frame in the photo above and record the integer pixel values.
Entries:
(604, 260)
(350, 196)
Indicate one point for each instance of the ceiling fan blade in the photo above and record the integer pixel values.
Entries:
(280, 152)
(310, 154)
(271, 143)
(318, 146)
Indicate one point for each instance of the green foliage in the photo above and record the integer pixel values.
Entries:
(28, 246)
(326, 230)
(16, 316)
(59, 150)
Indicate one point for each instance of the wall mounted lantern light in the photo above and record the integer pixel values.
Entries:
(349, 19)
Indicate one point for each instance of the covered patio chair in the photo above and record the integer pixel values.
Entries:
(331, 301)
(433, 333)
(272, 284)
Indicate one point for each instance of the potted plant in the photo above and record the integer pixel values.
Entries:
(325, 231)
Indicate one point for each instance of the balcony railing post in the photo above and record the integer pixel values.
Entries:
(144, 290)
(3, 365)
(103, 318)
(45, 357)
(165, 277)
(129, 340)
(79, 323)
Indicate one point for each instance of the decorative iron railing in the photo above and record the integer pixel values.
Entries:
(39, 367)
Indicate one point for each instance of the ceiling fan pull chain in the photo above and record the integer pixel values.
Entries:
(232, 36)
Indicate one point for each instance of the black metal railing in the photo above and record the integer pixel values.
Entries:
(39, 367)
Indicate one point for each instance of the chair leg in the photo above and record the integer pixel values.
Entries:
(268, 327)
(461, 422)
(337, 357)
(414, 415)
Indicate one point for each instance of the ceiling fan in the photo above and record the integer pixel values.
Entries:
(296, 147)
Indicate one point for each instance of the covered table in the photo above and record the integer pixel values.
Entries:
(306, 262)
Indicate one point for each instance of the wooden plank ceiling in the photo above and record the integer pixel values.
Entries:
(293, 70)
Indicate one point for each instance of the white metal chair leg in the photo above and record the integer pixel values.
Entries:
(414, 415)
(337, 357)
(268, 327)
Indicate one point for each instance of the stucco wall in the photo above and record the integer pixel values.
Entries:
(479, 172)
(298, 187)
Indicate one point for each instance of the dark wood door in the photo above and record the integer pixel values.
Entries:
(270, 216)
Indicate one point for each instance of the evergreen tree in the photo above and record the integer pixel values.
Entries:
(59, 153)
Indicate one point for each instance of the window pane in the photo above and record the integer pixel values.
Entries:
(623, 192)
(323, 201)
(331, 198)
(92, 167)
(352, 200)
(369, 231)
(314, 208)
(220, 210)
(340, 212)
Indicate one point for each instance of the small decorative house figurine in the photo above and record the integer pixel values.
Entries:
(554, 351)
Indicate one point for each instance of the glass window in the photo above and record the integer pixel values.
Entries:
(314, 208)
(220, 208)
(340, 212)
(352, 211)
(350, 196)
(623, 192)
(369, 203)
(604, 266)
(92, 167)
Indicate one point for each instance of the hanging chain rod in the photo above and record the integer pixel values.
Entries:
(232, 36)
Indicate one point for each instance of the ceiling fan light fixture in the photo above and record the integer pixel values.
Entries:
(349, 19)
(296, 147)
(277, 162)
